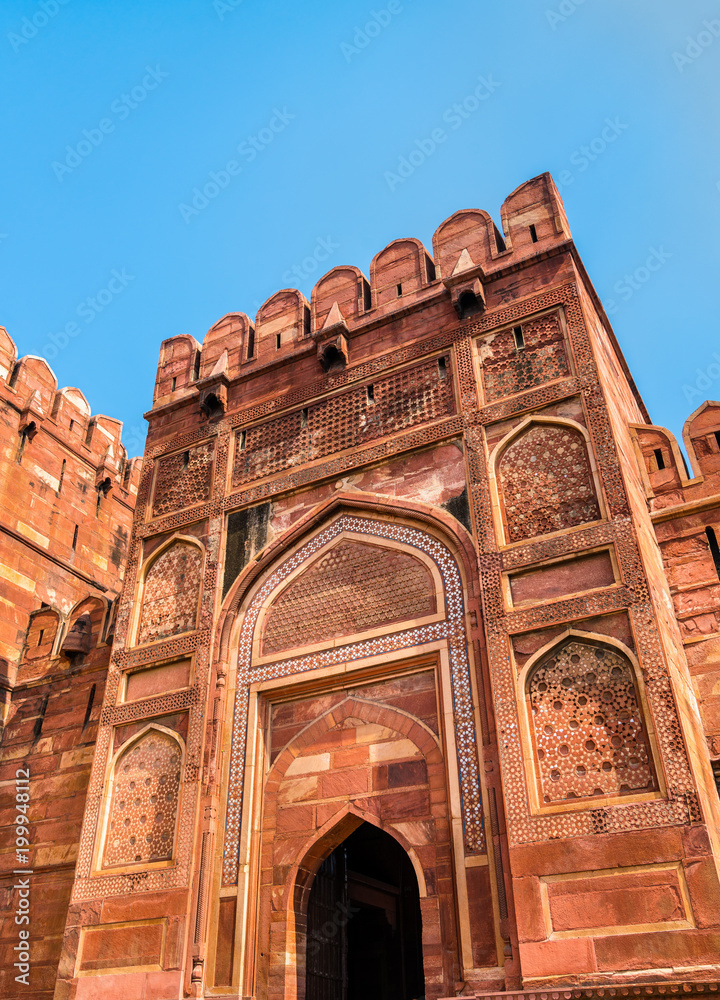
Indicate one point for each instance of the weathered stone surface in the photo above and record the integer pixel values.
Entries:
(63, 549)
(410, 555)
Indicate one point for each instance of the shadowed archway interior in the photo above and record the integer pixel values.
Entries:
(364, 924)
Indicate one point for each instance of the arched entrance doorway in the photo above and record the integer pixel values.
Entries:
(364, 930)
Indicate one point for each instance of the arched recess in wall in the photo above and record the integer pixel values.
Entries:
(413, 937)
(347, 714)
(588, 732)
(84, 628)
(169, 590)
(142, 799)
(357, 519)
(545, 479)
(285, 886)
(253, 633)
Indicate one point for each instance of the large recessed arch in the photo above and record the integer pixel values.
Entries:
(257, 681)
(451, 631)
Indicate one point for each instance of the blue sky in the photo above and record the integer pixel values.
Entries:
(114, 113)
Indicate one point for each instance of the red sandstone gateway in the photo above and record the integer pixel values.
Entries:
(408, 687)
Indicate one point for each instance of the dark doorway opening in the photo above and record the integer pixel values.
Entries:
(364, 929)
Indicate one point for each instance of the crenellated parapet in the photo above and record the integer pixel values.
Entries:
(397, 569)
(67, 494)
(29, 388)
(667, 478)
(468, 252)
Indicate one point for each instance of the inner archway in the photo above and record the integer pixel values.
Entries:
(364, 928)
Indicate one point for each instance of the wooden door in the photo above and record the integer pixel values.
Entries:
(327, 919)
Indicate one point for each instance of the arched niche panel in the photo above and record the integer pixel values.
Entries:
(171, 592)
(144, 797)
(588, 728)
(351, 588)
(545, 481)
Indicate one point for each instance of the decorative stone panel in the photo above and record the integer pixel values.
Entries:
(546, 482)
(144, 803)
(171, 593)
(508, 369)
(393, 403)
(353, 588)
(587, 723)
(183, 479)
(452, 630)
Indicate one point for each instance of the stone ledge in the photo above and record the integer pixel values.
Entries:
(687, 989)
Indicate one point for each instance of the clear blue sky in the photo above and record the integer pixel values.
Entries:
(152, 96)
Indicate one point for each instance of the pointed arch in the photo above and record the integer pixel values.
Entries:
(142, 800)
(169, 590)
(439, 523)
(408, 635)
(335, 832)
(93, 607)
(587, 729)
(337, 828)
(288, 872)
(351, 586)
(544, 479)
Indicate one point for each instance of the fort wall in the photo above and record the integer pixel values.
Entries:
(410, 556)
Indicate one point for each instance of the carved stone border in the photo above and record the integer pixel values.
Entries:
(452, 629)
(680, 806)
(691, 990)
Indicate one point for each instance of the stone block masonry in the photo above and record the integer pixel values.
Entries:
(413, 672)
